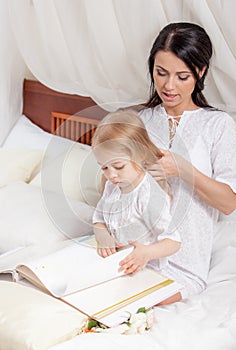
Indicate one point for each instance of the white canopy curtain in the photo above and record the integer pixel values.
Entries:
(100, 48)
(12, 70)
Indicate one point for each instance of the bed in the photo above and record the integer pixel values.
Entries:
(53, 137)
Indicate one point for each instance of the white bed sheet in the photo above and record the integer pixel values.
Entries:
(206, 321)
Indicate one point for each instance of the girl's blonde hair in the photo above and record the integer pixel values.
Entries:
(123, 131)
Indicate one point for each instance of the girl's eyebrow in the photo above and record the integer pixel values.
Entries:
(118, 161)
(157, 66)
(113, 163)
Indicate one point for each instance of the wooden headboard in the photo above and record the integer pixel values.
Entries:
(39, 102)
(73, 127)
(71, 116)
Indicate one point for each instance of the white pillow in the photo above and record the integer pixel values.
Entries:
(26, 134)
(66, 163)
(30, 216)
(72, 171)
(18, 164)
(33, 320)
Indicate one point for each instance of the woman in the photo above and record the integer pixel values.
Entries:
(198, 143)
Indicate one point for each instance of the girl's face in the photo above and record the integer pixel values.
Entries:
(174, 83)
(119, 170)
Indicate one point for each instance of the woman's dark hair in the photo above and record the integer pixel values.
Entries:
(192, 45)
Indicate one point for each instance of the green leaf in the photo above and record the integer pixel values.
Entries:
(142, 309)
(92, 323)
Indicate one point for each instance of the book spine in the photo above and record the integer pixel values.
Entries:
(15, 276)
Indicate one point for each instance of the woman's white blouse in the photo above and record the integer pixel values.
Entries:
(141, 215)
(206, 138)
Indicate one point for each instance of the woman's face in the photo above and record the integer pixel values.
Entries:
(174, 83)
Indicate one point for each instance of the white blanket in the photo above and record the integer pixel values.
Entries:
(206, 321)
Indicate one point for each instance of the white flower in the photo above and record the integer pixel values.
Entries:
(150, 318)
(120, 329)
(137, 323)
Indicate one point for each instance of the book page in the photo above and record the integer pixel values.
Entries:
(121, 314)
(109, 302)
(72, 268)
(10, 259)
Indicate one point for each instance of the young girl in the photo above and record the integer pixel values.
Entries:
(134, 208)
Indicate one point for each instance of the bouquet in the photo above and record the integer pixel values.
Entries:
(137, 323)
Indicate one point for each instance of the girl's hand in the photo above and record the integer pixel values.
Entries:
(136, 260)
(107, 245)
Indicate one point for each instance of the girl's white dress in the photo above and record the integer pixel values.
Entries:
(141, 215)
(206, 138)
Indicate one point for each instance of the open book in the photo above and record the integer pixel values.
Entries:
(77, 275)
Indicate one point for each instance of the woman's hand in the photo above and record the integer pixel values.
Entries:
(136, 260)
(171, 165)
(217, 194)
(167, 166)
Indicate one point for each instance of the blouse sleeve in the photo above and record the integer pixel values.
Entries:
(223, 152)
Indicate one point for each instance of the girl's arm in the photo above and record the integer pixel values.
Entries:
(214, 193)
(142, 254)
(106, 244)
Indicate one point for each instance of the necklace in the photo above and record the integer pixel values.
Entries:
(173, 124)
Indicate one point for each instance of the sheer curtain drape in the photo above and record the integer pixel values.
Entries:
(12, 70)
(100, 48)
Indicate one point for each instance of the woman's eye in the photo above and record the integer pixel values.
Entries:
(161, 73)
(183, 78)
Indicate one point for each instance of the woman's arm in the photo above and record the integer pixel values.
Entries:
(214, 193)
